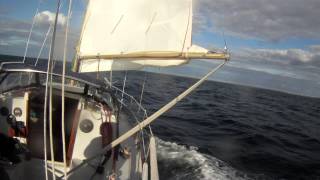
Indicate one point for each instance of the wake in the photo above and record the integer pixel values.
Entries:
(182, 162)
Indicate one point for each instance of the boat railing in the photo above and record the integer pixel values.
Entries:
(131, 100)
(138, 117)
(9, 63)
(29, 70)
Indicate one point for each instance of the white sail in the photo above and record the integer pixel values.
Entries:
(115, 27)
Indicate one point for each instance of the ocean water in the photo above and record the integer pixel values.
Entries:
(224, 131)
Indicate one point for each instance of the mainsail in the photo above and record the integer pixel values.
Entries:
(131, 34)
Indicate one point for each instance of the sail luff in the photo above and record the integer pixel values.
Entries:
(75, 60)
(188, 34)
(84, 23)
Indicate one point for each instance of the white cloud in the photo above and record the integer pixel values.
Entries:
(283, 56)
(271, 20)
(3, 43)
(315, 48)
(14, 34)
(47, 17)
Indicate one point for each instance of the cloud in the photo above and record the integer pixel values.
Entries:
(297, 81)
(11, 31)
(315, 48)
(14, 34)
(271, 20)
(311, 56)
(47, 17)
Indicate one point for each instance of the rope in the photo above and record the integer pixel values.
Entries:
(49, 69)
(149, 120)
(30, 32)
(45, 118)
(63, 93)
(50, 127)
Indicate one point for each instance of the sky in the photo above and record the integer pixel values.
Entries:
(274, 44)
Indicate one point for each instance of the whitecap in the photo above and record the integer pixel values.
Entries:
(182, 162)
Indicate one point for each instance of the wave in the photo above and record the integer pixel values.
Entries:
(186, 162)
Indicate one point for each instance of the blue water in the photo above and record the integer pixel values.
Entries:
(225, 131)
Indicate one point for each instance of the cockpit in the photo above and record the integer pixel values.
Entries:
(22, 99)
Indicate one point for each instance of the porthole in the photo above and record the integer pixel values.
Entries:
(86, 126)
(17, 112)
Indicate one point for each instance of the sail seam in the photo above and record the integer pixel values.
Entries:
(153, 18)
(115, 27)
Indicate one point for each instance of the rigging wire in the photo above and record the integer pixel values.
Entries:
(30, 32)
(142, 90)
(145, 112)
(63, 92)
(188, 24)
(27, 44)
(123, 87)
(43, 44)
(45, 40)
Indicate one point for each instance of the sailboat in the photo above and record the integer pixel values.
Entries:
(57, 125)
